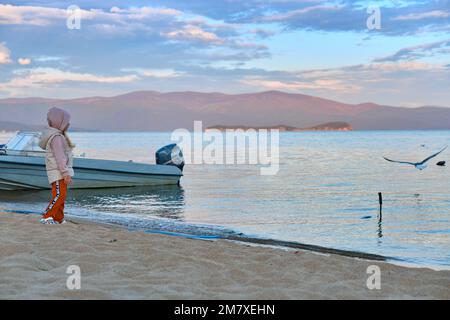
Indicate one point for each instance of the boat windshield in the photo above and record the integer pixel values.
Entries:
(24, 141)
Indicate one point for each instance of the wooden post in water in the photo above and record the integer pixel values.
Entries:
(380, 200)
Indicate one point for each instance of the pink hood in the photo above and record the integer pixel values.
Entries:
(58, 118)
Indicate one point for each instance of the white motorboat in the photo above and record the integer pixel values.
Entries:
(22, 166)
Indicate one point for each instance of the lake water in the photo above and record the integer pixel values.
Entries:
(325, 193)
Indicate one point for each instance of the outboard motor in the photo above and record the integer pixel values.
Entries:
(170, 155)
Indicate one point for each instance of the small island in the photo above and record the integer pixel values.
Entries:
(329, 126)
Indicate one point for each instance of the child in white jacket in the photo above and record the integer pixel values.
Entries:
(58, 162)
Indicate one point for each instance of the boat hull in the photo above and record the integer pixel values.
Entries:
(24, 172)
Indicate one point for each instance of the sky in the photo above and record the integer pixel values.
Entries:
(388, 52)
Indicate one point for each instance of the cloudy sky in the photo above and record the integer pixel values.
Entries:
(321, 48)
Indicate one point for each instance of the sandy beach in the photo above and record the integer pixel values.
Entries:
(119, 264)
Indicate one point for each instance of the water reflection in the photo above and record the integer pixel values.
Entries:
(419, 200)
(380, 222)
(164, 202)
(380, 230)
(160, 201)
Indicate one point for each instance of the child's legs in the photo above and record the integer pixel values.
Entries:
(56, 207)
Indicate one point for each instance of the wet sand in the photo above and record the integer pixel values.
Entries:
(119, 264)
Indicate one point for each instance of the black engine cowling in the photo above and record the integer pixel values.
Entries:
(170, 155)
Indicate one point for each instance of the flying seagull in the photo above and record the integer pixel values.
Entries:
(419, 165)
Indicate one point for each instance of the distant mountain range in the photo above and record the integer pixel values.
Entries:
(15, 126)
(156, 111)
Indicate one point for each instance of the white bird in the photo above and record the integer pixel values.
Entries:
(419, 165)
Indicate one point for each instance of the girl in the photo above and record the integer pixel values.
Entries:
(58, 162)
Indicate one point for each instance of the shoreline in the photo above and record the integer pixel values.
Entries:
(244, 239)
(118, 264)
(238, 237)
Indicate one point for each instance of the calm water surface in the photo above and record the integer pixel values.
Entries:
(325, 193)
